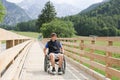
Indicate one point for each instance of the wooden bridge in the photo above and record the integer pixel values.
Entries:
(88, 58)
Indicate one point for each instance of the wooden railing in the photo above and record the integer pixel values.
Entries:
(11, 39)
(12, 59)
(97, 53)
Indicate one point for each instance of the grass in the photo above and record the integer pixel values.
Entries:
(116, 44)
(28, 34)
(100, 71)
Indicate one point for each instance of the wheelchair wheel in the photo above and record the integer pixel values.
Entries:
(46, 63)
(64, 66)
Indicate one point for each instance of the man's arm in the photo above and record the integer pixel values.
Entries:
(61, 47)
(45, 51)
(62, 50)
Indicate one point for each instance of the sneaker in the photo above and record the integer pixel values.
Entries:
(60, 71)
(53, 71)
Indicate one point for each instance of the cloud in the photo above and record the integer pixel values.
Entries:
(64, 1)
(73, 2)
(77, 3)
(15, 1)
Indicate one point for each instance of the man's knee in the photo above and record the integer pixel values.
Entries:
(52, 55)
(60, 55)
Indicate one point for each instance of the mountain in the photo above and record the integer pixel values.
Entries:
(104, 20)
(110, 8)
(94, 6)
(66, 10)
(91, 7)
(33, 8)
(14, 14)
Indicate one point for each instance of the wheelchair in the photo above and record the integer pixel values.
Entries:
(48, 66)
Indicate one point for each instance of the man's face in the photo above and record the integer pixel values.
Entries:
(54, 38)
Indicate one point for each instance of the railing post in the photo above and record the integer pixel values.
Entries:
(20, 41)
(16, 42)
(9, 43)
(24, 40)
(91, 52)
(81, 48)
(108, 54)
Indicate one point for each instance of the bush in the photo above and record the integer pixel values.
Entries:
(62, 28)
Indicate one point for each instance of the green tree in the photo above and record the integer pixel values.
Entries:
(62, 28)
(2, 11)
(47, 15)
(27, 26)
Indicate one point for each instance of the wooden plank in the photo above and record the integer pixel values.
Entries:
(94, 38)
(7, 56)
(11, 73)
(94, 55)
(7, 35)
(70, 44)
(85, 53)
(114, 61)
(112, 49)
(88, 70)
(108, 39)
(113, 72)
(95, 64)
(75, 50)
(67, 39)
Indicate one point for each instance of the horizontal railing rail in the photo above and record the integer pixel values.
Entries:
(8, 56)
(11, 39)
(16, 47)
(8, 35)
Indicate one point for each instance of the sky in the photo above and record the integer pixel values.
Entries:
(76, 3)
(80, 4)
(15, 1)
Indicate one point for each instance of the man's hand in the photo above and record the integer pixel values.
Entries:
(62, 50)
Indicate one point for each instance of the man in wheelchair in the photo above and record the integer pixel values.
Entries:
(55, 51)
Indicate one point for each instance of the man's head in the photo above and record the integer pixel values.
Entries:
(53, 36)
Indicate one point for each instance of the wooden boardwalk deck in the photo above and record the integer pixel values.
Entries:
(33, 68)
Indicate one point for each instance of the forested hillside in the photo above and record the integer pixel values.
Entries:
(104, 20)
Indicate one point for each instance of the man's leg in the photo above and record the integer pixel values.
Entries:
(52, 59)
(60, 56)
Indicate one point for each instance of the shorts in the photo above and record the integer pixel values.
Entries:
(56, 55)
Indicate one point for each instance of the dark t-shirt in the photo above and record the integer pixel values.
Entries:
(54, 47)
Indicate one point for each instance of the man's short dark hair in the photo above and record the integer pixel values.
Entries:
(53, 34)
